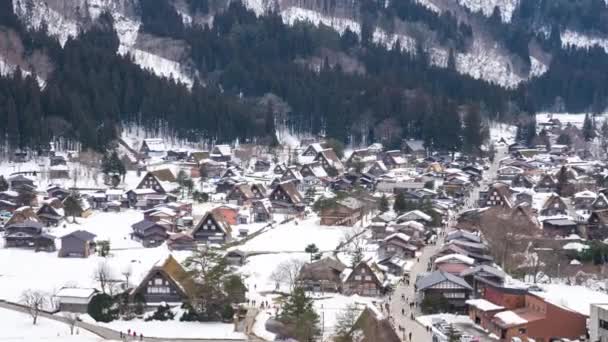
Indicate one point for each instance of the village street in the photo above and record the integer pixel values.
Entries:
(404, 317)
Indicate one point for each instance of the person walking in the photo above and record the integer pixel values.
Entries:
(410, 335)
(141, 337)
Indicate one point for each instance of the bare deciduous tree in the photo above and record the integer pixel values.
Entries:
(127, 272)
(505, 230)
(71, 319)
(287, 272)
(34, 301)
(103, 274)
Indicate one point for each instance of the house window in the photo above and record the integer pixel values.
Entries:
(522, 330)
(357, 277)
(158, 281)
(603, 324)
(159, 289)
(368, 278)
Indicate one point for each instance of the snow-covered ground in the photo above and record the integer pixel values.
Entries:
(575, 119)
(487, 7)
(17, 326)
(59, 272)
(500, 131)
(296, 235)
(177, 329)
(582, 40)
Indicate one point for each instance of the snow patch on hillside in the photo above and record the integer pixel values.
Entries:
(388, 40)
(8, 69)
(127, 29)
(292, 15)
(158, 65)
(34, 16)
(487, 7)
(581, 40)
(537, 68)
(429, 5)
(487, 63)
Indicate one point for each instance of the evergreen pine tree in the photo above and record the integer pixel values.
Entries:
(298, 311)
(400, 204)
(451, 60)
(384, 205)
(472, 132)
(588, 128)
(3, 183)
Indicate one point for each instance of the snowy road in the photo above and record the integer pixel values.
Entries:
(106, 333)
(404, 294)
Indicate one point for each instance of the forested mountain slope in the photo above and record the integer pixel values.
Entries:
(358, 70)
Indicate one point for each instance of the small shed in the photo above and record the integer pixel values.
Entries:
(75, 299)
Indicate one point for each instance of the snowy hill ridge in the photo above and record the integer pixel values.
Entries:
(76, 14)
(482, 61)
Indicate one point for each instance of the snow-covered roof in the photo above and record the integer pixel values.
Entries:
(155, 145)
(510, 318)
(577, 246)
(400, 236)
(463, 258)
(483, 304)
(75, 292)
(573, 298)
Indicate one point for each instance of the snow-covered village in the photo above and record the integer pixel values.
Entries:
(308, 240)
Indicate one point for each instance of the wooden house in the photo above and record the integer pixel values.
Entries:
(286, 198)
(82, 207)
(57, 192)
(554, 205)
(454, 289)
(394, 159)
(51, 212)
(522, 181)
(345, 212)
(330, 162)
(600, 203)
(498, 194)
(20, 182)
(240, 194)
(364, 281)
(398, 244)
(546, 184)
(413, 147)
(597, 225)
(28, 234)
(373, 326)
(322, 275)
(211, 169)
(79, 243)
(153, 148)
(312, 150)
(261, 210)
(453, 263)
(221, 153)
(212, 228)
(168, 282)
(149, 233)
(261, 165)
(181, 241)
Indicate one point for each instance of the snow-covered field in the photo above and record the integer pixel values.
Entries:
(500, 131)
(25, 269)
(296, 235)
(17, 326)
(575, 119)
(177, 329)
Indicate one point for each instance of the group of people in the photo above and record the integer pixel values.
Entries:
(132, 334)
